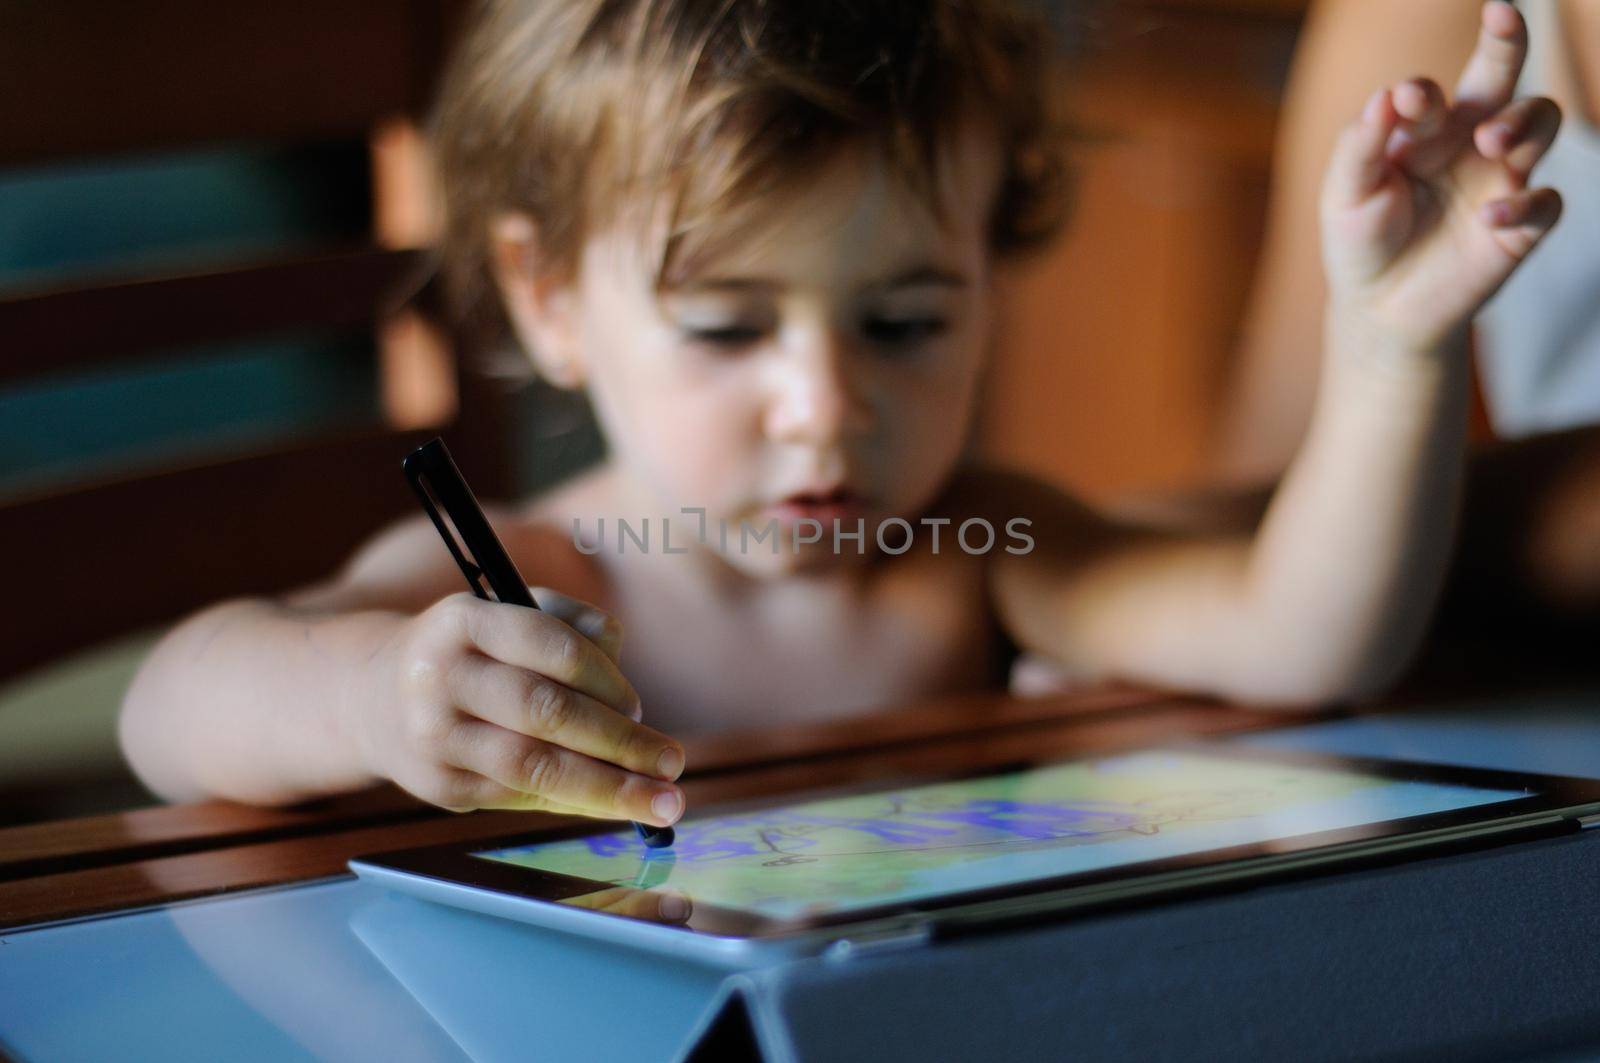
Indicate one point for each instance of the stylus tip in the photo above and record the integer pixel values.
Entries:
(655, 837)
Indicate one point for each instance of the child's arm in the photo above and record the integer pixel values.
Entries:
(1425, 212)
(384, 673)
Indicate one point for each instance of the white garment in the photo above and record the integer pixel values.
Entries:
(1540, 336)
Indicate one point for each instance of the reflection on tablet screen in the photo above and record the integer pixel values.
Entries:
(862, 851)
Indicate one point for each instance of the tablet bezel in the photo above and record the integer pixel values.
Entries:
(1552, 798)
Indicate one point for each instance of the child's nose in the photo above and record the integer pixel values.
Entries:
(817, 401)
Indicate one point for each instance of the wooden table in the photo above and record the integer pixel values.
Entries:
(150, 856)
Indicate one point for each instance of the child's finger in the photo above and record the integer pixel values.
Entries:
(1359, 164)
(561, 776)
(485, 793)
(1423, 117)
(540, 642)
(1490, 77)
(1520, 220)
(1520, 134)
(1421, 106)
(530, 704)
(594, 623)
(460, 790)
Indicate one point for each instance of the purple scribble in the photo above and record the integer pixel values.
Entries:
(1037, 821)
(786, 832)
(892, 831)
(694, 842)
(612, 844)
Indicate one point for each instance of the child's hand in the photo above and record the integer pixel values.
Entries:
(1425, 207)
(487, 705)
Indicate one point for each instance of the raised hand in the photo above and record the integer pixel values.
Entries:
(1426, 208)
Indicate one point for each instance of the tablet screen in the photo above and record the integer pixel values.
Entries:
(841, 854)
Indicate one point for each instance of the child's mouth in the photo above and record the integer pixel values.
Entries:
(824, 505)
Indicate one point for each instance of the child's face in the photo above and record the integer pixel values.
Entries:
(825, 367)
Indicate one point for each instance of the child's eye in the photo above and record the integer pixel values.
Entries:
(902, 332)
(730, 337)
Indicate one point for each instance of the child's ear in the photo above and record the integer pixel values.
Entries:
(541, 303)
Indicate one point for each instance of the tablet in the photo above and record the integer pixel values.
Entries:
(894, 866)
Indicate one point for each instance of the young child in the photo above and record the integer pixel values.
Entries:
(761, 236)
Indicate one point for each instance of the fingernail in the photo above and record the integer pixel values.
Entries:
(670, 766)
(636, 708)
(667, 805)
(673, 907)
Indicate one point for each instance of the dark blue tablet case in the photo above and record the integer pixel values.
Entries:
(1485, 955)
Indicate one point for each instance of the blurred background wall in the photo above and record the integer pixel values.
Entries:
(216, 339)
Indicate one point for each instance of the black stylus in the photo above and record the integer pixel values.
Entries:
(433, 475)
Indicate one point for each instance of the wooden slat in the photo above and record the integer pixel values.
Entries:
(73, 329)
(169, 830)
(103, 561)
(49, 897)
(87, 77)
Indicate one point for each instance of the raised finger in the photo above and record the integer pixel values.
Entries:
(1520, 220)
(560, 775)
(1424, 138)
(1359, 166)
(1489, 79)
(593, 623)
(539, 642)
(1520, 134)
(531, 704)
(1421, 106)
(1421, 124)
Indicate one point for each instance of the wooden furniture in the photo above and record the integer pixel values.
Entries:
(89, 560)
(57, 870)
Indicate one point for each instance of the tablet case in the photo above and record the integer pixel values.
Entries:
(1483, 955)
(506, 992)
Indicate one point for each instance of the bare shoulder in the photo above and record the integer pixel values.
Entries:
(580, 497)
(544, 528)
(406, 566)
